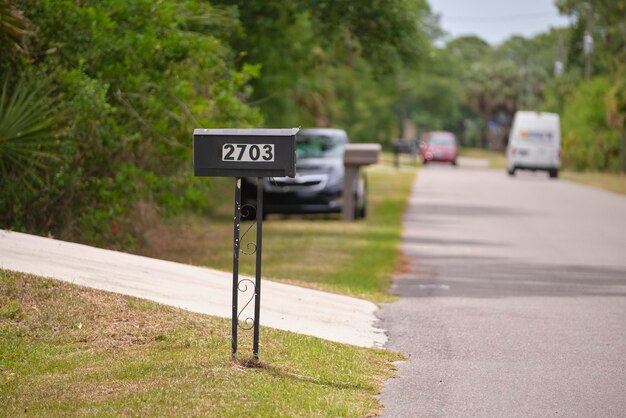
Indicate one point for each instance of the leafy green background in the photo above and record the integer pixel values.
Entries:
(99, 98)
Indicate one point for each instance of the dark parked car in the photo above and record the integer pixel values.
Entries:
(438, 146)
(318, 185)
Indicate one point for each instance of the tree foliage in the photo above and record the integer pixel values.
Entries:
(469, 49)
(133, 79)
(29, 131)
(588, 142)
(128, 82)
(16, 32)
(604, 21)
(99, 97)
(332, 63)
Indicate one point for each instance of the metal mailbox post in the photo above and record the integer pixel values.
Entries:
(402, 147)
(245, 153)
(355, 156)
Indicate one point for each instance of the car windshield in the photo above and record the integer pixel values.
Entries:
(318, 147)
(441, 140)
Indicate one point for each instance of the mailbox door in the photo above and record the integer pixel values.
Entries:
(247, 154)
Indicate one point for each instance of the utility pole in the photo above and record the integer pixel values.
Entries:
(588, 43)
(623, 151)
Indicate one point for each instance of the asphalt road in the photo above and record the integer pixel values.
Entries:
(514, 300)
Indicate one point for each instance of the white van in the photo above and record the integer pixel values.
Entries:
(534, 143)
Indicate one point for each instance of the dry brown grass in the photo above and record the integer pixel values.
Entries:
(101, 320)
(615, 183)
(67, 350)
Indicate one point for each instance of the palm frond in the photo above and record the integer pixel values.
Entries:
(29, 130)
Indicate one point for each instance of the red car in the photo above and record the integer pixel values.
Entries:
(438, 146)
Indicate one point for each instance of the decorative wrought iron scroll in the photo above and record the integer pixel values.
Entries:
(247, 323)
(250, 247)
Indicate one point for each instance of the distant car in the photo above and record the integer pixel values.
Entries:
(318, 185)
(534, 143)
(438, 146)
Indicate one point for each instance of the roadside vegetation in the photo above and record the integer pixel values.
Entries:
(495, 159)
(615, 183)
(67, 350)
(120, 86)
(98, 99)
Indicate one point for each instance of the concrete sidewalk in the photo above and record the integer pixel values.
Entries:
(325, 315)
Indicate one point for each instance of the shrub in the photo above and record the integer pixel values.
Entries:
(132, 80)
(588, 142)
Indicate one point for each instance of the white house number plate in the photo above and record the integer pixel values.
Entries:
(248, 152)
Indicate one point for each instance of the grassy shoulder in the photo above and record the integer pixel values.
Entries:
(495, 159)
(318, 251)
(615, 183)
(67, 350)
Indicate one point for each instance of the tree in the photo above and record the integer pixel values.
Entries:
(133, 79)
(492, 91)
(331, 62)
(431, 98)
(604, 21)
(469, 49)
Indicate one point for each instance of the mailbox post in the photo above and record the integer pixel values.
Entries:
(355, 156)
(401, 147)
(245, 153)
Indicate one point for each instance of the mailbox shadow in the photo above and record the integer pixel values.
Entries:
(492, 277)
(283, 374)
(439, 269)
(447, 242)
(316, 381)
(431, 209)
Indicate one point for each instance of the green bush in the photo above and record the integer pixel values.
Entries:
(588, 142)
(130, 80)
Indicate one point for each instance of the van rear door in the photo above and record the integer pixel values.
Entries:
(537, 147)
(536, 140)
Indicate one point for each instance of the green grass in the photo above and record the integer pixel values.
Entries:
(67, 350)
(612, 182)
(496, 159)
(318, 251)
(404, 160)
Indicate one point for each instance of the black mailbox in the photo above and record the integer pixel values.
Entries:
(244, 152)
